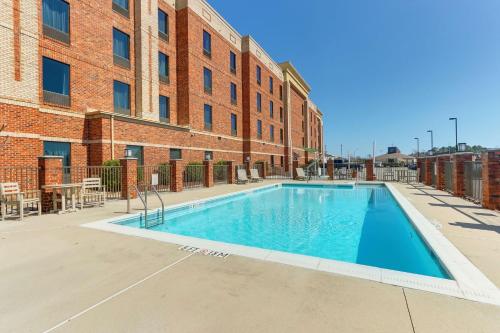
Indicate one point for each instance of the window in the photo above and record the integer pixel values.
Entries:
(259, 102)
(209, 155)
(259, 129)
(175, 154)
(208, 117)
(234, 94)
(164, 109)
(232, 62)
(271, 85)
(234, 124)
(281, 135)
(137, 152)
(121, 7)
(162, 25)
(271, 133)
(281, 92)
(281, 114)
(207, 80)
(56, 80)
(56, 20)
(271, 109)
(121, 48)
(163, 64)
(207, 44)
(259, 75)
(272, 160)
(121, 96)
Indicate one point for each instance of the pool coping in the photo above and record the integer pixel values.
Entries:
(469, 282)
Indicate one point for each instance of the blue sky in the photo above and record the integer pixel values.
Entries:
(387, 70)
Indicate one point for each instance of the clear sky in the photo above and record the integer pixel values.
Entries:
(387, 70)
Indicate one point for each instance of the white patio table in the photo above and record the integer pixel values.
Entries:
(67, 190)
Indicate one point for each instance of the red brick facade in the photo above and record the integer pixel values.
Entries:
(97, 134)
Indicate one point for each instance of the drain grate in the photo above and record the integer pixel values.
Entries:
(204, 252)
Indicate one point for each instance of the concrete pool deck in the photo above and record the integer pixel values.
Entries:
(52, 270)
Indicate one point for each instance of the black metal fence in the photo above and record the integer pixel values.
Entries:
(145, 176)
(111, 177)
(473, 180)
(193, 176)
(277, 172)
(221, 172)
(448, 176)
(26, 177)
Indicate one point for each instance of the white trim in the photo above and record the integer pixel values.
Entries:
(469, 282)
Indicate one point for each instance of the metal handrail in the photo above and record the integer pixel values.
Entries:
(162, 204)
(144, 202)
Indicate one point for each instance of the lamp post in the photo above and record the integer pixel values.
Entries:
(432, 139)
(456, 133)
(418, 146)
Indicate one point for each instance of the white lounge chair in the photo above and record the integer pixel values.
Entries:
(254, 176)
(300, 174)
(10, 194)
(92, 192)
(242, 177)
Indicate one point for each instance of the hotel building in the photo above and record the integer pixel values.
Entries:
(166, 79)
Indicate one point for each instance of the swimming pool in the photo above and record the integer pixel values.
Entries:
(360, 224)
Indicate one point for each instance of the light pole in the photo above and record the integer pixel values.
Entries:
(432, 139)
(418, 146)
(456, 133)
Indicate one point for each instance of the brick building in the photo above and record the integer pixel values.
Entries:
(168, 79)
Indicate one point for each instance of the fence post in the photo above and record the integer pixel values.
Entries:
(50, 173)
(176, 170)
(458, 173)
(428, 171)
(208, 165)
(440, 180)
(231, 166)
(129, 177)
(370, 175)
(330, 167)
(295, 165)
(491, 179)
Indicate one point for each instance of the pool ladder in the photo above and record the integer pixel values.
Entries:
(144, 200)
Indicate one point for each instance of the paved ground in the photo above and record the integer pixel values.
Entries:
(52, 270)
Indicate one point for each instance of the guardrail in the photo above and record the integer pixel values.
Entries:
(473, 182)
(26, 177)
(221, 172)
(111, 177)
(193, 176)
(145, 174)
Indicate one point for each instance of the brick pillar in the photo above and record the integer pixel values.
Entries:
(370, 175)
(129, 177)
(330, 167)
(458, 173)
(295, 165)
(231, 171)
(491, 179)
(265, 165)
(440, 182)
(176, 172)
(428, 171)
(50, 173)
(209, 173)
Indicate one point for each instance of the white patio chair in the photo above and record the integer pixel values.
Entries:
(254, 176)
(11, 195)
(92, 192)
(242, 177)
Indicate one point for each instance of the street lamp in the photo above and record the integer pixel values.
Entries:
(456, 133)
(432, 139)
(418, 146)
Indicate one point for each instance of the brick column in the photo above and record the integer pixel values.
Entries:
(440, 182)
(231, 171)
(428, 171)
(370, 175)
(295, 165)
(330, 167)
(265, 165)
(129, 177)
(209, 173)
(50, 173)
(491, 179)
(176, 173)
(458, 173)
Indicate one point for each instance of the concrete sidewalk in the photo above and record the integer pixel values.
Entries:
(51, 270)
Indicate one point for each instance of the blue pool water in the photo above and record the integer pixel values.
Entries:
(360, 224)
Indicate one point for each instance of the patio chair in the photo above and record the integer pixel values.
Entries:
(11, 195)
(254, 176)
(92, 192)
(300, 174)
(242, 177)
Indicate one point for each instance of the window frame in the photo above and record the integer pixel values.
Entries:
(174, 150)
(128, 111)
(231, 68)
(121, 10)
(207, 90)
(234, 120)
(271, 85)
(234, 89)
(164, 35)
(54, 33)
(271, 133)
(259, 129)
(208, 126)
(259, 102)
(55, 97)
(118, 59)
(164, 78)
(271, 109)
(207, 52)
(258, 74)
(167, 118)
